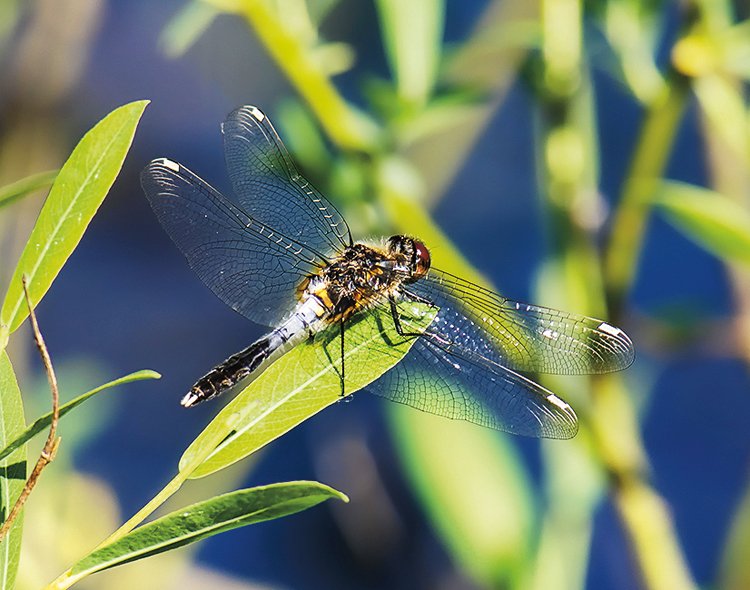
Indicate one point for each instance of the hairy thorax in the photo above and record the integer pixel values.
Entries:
(360, 276)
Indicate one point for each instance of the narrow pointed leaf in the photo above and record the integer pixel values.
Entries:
(186, 27)
(300, 384)
(12, 470)
(80, 187)
(41, 424)
(717, 223)
(413, 35)
(205, 519)
(16, 190)
(734, 572)
(473, 487)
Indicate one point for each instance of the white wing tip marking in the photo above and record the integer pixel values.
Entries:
(256, 113)
(553, 399)
(167, 163)
(610, 329)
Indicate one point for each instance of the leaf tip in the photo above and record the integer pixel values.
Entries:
(136, 105)
(332, 492)
(342, 496)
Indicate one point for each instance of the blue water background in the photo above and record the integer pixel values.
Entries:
(127, 298)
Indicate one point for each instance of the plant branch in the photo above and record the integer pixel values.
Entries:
(50, 446)
(646, 170)
(347, 128)
(68, 578)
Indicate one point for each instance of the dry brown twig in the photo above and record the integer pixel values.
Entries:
(50, 447)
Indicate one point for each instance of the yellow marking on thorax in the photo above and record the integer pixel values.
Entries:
(320, 310)
(322, 294)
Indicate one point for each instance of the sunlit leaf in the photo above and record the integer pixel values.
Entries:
(473, 486)
(413, 35)
(346, 126)
(724, 106)
(79, 189)
(714, 221)
(205, 519)
(42, 423)
(439, 117)
(735, 49)
(12, 470)
(16, 190)
(303, 382)
(303, 138)
(186, 27)
(486, 524)
(633, 29)
(320, 9)
(735, 568)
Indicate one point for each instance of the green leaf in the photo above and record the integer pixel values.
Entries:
(303, 382)
(43, 423)
(303, 138)
(717, 223)
(320, 9)
(734, 572)
(12, 470)
(633, 30)
(469, 479)
(14, 191)
(413, 35)
(472, 484)
(734, 51)
(440, 116)
(80, 188)
(723, 104)
(205, 519)
(186, 27)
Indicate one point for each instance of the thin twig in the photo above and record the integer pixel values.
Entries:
(50, 447)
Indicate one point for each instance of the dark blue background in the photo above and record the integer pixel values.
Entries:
(127, 298)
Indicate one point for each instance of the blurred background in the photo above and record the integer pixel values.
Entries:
(592, 156)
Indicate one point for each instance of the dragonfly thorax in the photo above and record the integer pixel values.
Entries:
(362, 275)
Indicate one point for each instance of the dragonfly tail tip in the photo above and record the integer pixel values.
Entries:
(189, 400)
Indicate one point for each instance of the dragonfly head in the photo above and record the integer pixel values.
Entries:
(411, 257)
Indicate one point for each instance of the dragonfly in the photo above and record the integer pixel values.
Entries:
(282, 255)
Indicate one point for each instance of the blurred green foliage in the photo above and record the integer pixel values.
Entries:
(589, 267)
(386, 165)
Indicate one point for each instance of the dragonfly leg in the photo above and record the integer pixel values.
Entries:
(397, 318)
(343, 394)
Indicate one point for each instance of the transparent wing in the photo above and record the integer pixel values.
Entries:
(521, 337)
(248, 265)
(268, 186)
(464, 364)
(462, 384)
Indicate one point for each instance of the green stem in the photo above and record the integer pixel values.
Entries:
(347, 128)
(16, 190)
(568, 139)
(68, 578)
(646, 170)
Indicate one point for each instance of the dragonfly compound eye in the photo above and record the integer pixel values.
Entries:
(421, 259)
(413, 255)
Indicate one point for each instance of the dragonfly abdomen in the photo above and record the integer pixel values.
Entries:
(256, 357)
(228, 373)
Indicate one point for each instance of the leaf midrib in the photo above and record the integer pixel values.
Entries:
(272, 408)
